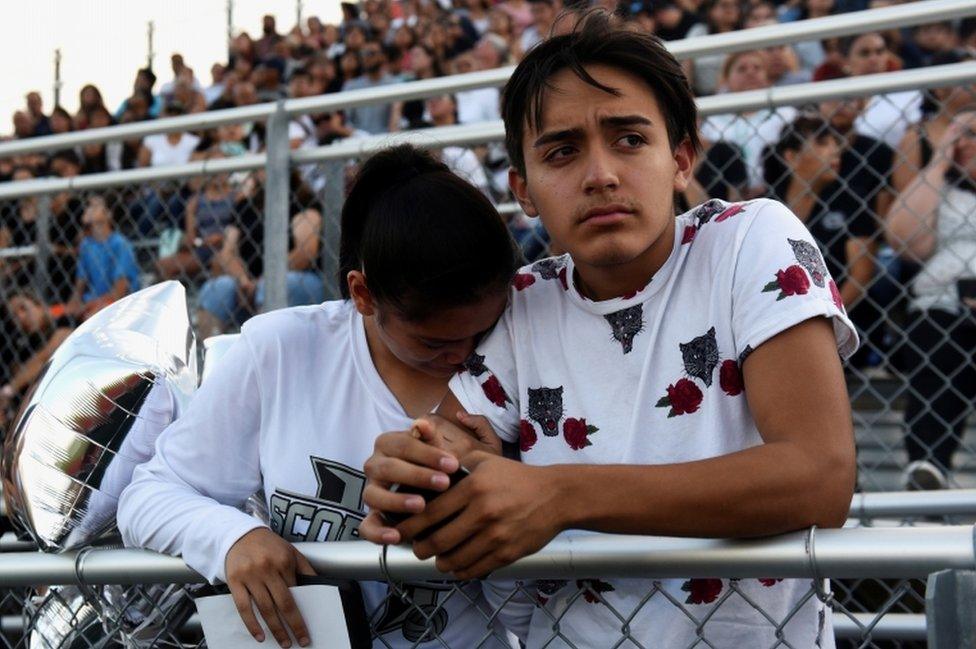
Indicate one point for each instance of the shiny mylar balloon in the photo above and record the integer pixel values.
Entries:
(114, 384)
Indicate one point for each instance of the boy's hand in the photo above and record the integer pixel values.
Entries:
(422, 458)
(503, 511)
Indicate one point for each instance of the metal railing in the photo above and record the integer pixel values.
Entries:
(906, 15)
(904, 553)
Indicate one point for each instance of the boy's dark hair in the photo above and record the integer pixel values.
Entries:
(67, 155)
(595, 40)
(424, 238)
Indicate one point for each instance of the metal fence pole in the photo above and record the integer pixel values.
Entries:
(277, 173)
(331, 225)
(42, 283)
(950, 609)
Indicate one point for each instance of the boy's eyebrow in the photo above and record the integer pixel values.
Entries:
(613, 121)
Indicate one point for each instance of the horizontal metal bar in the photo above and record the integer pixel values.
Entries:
(947, 502)
(472, 134)
(846, 553)
(18, 251)
(891, 626)
(915, 13)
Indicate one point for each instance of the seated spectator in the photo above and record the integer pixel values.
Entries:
(35, 109)
(933, 223)
(235, 291)
(270, 37)
(783, 64)
(89, 99)
(23, 125)
(18, 228)
(461, 160)
(673, 21)
(216, 88)
(208, 212)
(180, 73)
(520, 16)
(926, 43)
(704, 72)
(40, 333)
(476, 12)
(939, 108)
(477, 105)
(143, 86)
(376, 118)
(67, 210)
(268, 77)
(491, 52)
(811, 53)
(886, 116)
(721, 174)
(843, 207)
(759, 13)
(101, 156)
(161, 206)
(544, 14)
(750, 132)
(60, 121)
(107, 268)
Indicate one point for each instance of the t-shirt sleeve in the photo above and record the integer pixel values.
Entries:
(780, 280)
(488, 385)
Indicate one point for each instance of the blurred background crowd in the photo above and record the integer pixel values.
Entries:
(886, 184)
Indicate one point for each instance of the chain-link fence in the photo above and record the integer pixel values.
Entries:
(805, 609)
(885, 179)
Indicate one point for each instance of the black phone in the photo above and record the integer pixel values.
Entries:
(967, 291)
(395, 518)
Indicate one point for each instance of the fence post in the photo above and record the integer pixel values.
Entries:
(950, 609)
(276, 189)
(42, 280)
(335, 194)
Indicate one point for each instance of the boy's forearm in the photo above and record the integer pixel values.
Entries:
(768, 489)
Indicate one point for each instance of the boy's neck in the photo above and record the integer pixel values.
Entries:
(101, 232)
(599, 283)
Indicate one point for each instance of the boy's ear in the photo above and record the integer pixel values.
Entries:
(684, 161)
(359, 293)
(520, 190)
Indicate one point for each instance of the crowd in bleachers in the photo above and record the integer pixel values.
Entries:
(848, 168)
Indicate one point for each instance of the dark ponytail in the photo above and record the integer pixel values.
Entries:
(425, 238)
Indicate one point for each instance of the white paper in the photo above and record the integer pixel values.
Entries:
(321, 609)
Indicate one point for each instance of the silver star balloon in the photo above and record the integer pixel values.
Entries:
(108, 391)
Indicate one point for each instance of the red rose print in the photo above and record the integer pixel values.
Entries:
(591, 588)
(494, 391)
(791, 281)
(702, 591)
(523, 280)
(729, 212)
(730, 378)
(527, 436)
(769, 582)
(562, 278)
(683, 397)
(689, 234)
(576, 432)
(835, 294)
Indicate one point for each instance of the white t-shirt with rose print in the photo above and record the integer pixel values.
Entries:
(654, 378)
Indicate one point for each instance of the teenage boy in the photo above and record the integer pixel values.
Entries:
(671, 376)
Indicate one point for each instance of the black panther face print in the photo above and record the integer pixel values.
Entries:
(809, 257)
(546, 408)
(475, 365)
(700, 356)
(547, 268)
(626, 324)
(745, 354)
(707, 210)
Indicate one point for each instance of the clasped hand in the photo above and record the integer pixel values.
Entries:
(501, 512)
